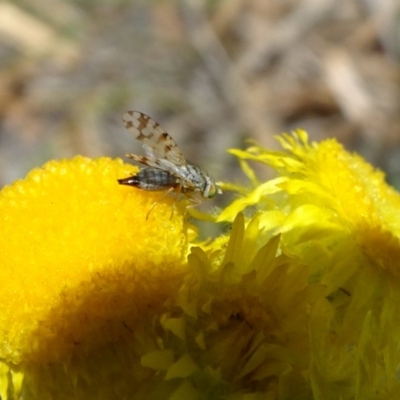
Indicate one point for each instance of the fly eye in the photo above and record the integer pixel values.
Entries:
(212, 192)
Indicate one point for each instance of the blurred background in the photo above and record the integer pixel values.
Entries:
(212, 73)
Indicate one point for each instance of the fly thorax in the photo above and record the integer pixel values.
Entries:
(196, 176)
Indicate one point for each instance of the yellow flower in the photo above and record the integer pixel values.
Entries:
(81, 268)
(338, 219)
(298, 301)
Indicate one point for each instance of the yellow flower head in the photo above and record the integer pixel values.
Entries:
(339, 219)
(81, 263)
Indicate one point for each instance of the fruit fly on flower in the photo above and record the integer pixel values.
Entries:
(166, 168)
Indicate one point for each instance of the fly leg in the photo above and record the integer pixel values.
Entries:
(166, 193)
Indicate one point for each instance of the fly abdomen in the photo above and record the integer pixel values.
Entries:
(150, 178)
